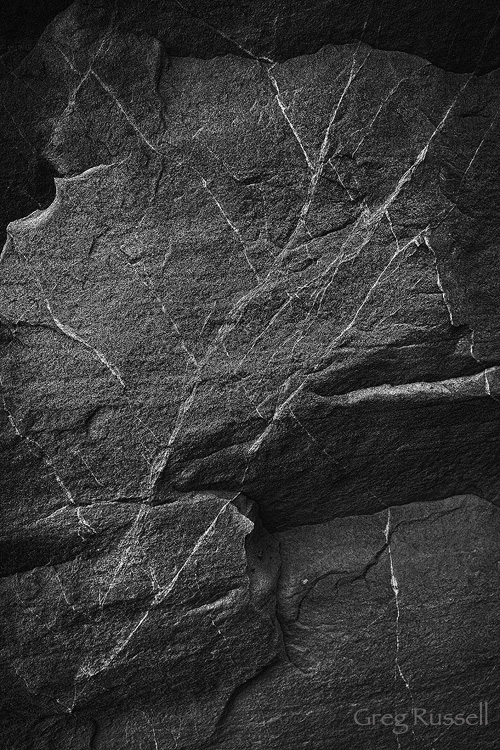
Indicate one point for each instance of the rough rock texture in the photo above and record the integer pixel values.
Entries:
(250, 374)
(138, 607)
(380, 613)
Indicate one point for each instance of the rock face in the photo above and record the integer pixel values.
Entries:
(140, 607)
(381, 614)
(250, 372)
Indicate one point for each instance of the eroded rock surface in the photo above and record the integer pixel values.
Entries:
(138, 607)
(381, 614)
(261, 308)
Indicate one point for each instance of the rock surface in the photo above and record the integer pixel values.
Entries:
(250, 373)
(381, 614)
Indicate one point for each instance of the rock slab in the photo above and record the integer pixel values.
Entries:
(250, 384)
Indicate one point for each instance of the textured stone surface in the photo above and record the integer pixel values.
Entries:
(139, 606)
(383, 613)
(260, 310)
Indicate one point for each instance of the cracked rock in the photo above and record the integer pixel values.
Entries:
(160, 610)
(381, 614)
(248, 300)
